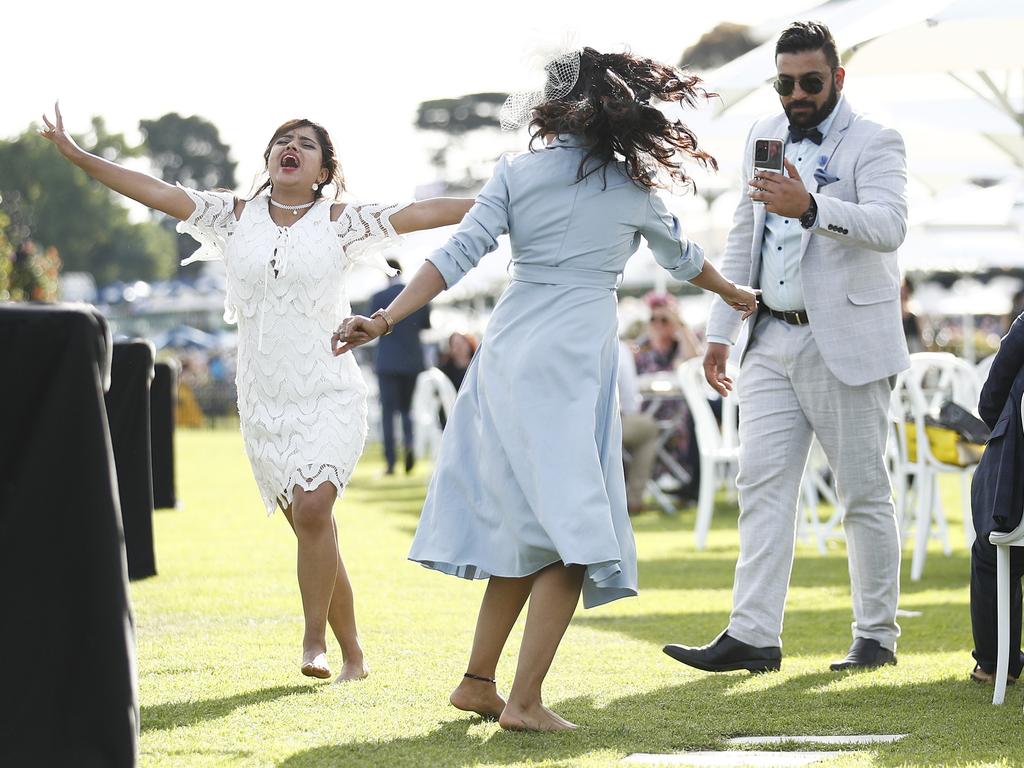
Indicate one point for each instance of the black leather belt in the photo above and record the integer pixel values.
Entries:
(791, 316)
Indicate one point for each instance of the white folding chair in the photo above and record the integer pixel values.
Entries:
(982, 368)
(433, 393)
(718, 445)
(818, 483)
(1003, 542)
(932, 379)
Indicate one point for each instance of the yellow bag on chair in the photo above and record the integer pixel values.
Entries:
(947, 445)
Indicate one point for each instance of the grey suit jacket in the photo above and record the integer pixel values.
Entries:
(848, 264)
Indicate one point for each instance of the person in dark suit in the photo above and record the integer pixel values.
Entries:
(997, 500)
(399, 360)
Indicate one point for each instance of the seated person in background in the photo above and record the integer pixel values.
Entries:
(668, 343)
(461, 348)
(639, 432)
(997, 499)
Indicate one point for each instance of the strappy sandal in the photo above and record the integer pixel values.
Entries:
(979, 675)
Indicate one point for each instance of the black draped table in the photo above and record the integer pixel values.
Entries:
(162, 404)
(66, 633)
(127, 399)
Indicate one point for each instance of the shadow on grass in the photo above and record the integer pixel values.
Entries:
(942, 718)
(163, 717)
(807, 632)
(709, 569)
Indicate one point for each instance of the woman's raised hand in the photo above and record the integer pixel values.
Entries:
(54, 131)
(742, 299)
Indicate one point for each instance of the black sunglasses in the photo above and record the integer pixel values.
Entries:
(784, 84)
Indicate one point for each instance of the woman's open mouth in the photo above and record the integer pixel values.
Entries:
(289, 161)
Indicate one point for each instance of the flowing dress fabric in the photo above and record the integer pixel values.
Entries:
(529, 470)
(302, 410)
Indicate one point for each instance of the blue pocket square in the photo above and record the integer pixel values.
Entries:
(823, 177)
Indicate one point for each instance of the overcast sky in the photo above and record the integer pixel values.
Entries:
(360, 68)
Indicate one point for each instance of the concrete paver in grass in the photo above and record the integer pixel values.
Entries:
(855, 740)
(762, 759)
(732, 758)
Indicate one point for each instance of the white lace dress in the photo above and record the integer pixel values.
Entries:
(302, 410)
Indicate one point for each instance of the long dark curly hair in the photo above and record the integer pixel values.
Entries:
(329, 162)
(611, 108)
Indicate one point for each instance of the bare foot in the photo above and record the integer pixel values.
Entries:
(536, 717)
(479, 697)
(353, 670)
(560, 719)
(314, 664)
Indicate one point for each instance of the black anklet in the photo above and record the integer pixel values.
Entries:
(481, 678)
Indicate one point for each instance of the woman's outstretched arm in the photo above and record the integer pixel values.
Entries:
(357, 330)
(141, 187)
(427, 214)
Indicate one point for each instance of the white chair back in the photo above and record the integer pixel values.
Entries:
(434, 393)
(693, 385)
(981, 369)
(932, 379)
(1003, 542)
(711, 437)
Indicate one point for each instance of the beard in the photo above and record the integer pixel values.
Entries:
(816, 115)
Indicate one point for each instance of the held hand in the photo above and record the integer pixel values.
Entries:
(354, 332)
(715, 360)
(742, 299)
(54, 131)
(784, 195)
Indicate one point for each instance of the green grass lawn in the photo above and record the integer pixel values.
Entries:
(219, 642)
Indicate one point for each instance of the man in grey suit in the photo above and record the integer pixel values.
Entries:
(823, 351)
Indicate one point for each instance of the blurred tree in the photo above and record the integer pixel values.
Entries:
(465, 139)
(187, 151)
(34, 273)
(465, 113)
(56, 204)
(718, 46)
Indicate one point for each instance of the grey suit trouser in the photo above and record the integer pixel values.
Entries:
(786, 395)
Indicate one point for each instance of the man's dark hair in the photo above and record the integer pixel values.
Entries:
(803, 36)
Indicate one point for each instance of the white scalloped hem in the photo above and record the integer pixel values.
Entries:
(308, 477)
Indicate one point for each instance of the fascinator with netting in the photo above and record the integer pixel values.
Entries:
(554, 80)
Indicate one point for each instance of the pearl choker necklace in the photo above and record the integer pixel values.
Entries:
(293, 208)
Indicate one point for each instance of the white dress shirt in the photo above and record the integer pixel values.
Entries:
(781, 286)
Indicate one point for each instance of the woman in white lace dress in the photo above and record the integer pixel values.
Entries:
(287, 250)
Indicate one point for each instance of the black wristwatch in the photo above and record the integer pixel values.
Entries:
(808, 217)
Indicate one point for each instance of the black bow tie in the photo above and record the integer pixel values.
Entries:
(796, 135)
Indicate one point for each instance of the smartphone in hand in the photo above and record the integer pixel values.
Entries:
(768, 155)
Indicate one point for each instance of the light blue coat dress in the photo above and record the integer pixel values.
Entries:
(530, 466)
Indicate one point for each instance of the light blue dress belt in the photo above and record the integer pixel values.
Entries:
(548, 275)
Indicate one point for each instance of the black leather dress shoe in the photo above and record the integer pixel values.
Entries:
(865, 653)
(725, 654)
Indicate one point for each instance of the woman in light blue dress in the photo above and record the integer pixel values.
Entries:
(528, 491)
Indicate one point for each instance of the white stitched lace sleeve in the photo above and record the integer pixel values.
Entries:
(210, 224)
(365, 233)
